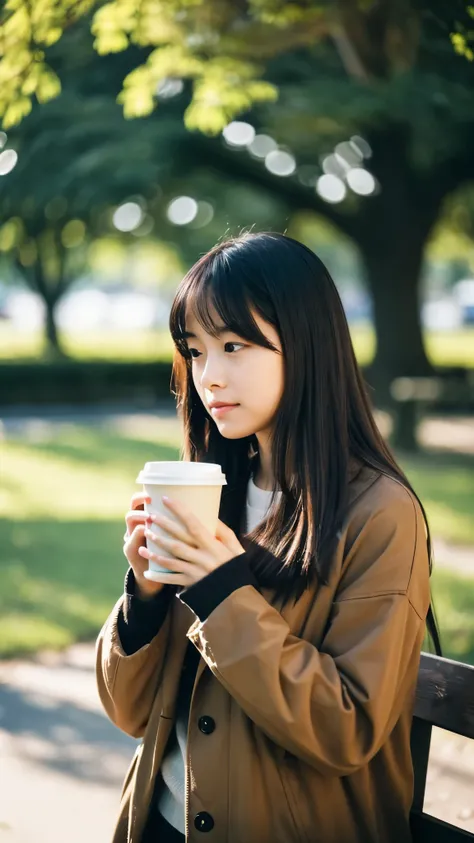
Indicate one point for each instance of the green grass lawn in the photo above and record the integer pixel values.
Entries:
(63, 500)
(445, 348)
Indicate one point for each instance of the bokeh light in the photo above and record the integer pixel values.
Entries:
(361, 146)
(8, 159)
(204, 216)
(331, 188)
(3, 139)
(334, 166)
(280, 163)
(73, 234)
(361, 181)
(182, 210)
(239, 133)
(128, 216)
(348, 154)
(146, 226)
(169, 87)
(262, 145)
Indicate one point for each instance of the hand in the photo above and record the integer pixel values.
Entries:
(196, 552)
(134, 539)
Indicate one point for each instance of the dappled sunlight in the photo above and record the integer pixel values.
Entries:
(66, 490)
(91, 474)
(66, 493)
(60, 587)
(60, 735)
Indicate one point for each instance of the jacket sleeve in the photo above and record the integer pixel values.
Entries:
(335, 706)
(127, 679)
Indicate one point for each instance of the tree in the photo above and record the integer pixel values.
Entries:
(384, 70)
(69, 174)
(79, 159)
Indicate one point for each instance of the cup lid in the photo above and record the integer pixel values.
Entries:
(182, 472)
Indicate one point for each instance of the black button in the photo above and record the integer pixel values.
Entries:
(206, 725)
(203, 821)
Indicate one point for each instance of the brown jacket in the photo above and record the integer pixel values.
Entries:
(312, 705)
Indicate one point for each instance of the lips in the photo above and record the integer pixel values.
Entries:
(221, 409)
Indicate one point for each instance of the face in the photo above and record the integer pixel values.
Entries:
(231, 370)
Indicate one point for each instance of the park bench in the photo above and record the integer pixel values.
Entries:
(412, 397)
(444, 698)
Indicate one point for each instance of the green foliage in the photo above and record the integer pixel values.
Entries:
(211, 42)
(26, 30)
(463, 39)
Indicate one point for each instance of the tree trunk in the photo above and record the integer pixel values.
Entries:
(393, 277)
(53, 343)
(393, 259)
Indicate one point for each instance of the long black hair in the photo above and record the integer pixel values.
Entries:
(324, 424)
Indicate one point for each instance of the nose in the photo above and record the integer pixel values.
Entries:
(213, 374)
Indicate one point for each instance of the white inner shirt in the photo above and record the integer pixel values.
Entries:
(171, 798)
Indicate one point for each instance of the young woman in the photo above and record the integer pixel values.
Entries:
(272, 676)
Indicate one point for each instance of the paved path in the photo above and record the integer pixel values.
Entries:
(62, 761)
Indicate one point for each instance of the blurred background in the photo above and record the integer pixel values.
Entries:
(134, 136)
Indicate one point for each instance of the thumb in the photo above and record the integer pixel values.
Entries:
(227, 537)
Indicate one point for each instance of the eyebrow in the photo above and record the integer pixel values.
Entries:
(222, 329)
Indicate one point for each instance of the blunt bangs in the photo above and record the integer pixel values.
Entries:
(222, 281)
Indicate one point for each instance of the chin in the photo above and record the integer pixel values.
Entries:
(232, 434)
(229, 431)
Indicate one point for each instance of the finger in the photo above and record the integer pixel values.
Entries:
(228, 538)
(194, 526)
(131, 548)
(172, 527)
(135, 517)
(135, 540)
(223, 531)
(175, 566)
(138, 500)
(179, 550)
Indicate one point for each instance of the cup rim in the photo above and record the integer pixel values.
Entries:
(214, 476)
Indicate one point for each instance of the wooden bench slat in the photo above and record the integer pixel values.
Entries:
(445, 694)
(420, 740)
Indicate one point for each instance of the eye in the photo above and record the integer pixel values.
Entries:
(226, 347)
(194, 353)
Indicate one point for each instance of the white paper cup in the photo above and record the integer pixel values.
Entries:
(197, 484)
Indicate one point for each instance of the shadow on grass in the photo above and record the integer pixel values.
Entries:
(60, 580)
(65, 737)
(100, 446)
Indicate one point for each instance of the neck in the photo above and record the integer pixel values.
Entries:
(264, 478)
